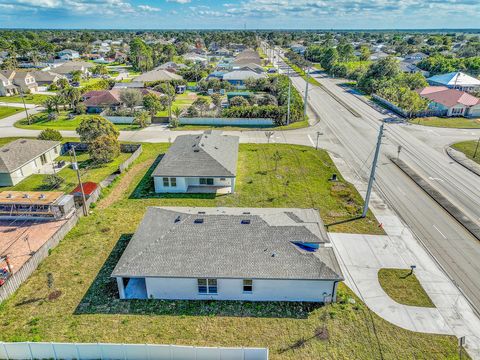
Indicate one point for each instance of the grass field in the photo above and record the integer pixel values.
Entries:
(62, 123)
(29, 98)
(461, 123)
(182, 101)
(404, 287)
(468, 148)
(6, 111)
(88, 309)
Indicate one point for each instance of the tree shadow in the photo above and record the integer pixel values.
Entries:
(146, 190)
(102, 298)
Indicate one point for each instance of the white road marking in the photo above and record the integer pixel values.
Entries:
(309, 138)
(439, 232)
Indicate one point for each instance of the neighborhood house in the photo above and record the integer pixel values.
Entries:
(49, 205)
(23, 80)
(455, 80)
(249, 254)
(205, 163)
(451, 102)
(24, 157)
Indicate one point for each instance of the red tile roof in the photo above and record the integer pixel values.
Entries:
(448, 97)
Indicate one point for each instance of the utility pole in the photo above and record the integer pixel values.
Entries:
(372, 172)
(318, 136)
(75, 167)
(289, 95)
(25, 106)
(306, 94)
(476, 148)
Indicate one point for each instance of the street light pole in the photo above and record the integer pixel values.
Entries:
(25, 106)
(372, 172)
(476, 148)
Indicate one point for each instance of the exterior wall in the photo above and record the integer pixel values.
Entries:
(474, 111)
(184, 182)
(232, 289)
(33, 166)
(6, 179)
(457, 110)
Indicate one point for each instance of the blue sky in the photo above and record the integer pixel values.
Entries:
(235, 14)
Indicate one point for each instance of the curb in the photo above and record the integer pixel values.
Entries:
(453, 210)
(461, 159)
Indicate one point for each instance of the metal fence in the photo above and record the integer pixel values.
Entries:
(32, 350)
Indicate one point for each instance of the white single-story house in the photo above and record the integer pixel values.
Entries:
(246, 254)
(204, 163)
(455, 80)
(451, 102)
(68, 54)
(24, 157)
(156, 75)
(238, 77)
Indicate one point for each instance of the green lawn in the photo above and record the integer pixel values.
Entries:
(88, 309)
(291, 126)
(6, 111)
(29, 98)
(404, 287)
(302, 73)
(468, 148)
(88, 171)
(460, 122)
(62, 123)
(182, 101)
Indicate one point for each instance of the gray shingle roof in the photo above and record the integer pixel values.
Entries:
(168, 243)
(200, 155)
(21, 151)
(157, 75)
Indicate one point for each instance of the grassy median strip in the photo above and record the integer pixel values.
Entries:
(88, 309)
(403, 286)
(468, 148)
(460, 122)
(6, 111)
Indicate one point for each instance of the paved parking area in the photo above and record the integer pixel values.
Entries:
(21, 238)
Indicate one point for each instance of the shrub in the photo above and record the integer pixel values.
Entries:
(104, 149)
(143, 119)
(53, 181)
(50, 134)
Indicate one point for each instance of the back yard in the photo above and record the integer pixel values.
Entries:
(63, 122)
(88, 309)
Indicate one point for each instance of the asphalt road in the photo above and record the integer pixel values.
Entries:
(457, 251)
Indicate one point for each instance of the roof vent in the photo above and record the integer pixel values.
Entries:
(5, 150)
(42, 196)
(10, 196)
(23, 141)
(177, 219)
(245, 221)
(196, 150)
(201, 212)
(26, 196)
(273, 255)
(246, 213)
(198, 221)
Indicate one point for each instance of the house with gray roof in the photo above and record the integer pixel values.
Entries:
(203, 163)
(247, 254)
(24, 157)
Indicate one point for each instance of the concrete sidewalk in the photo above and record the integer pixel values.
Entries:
(362, 255)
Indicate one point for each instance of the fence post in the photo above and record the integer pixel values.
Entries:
(6, 351)
(54, 351)
(30, 351)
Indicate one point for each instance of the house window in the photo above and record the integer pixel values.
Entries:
(169, 182)
(206, 181)
(207, 286)
(55, 150)
(43, 159)
(248, 286)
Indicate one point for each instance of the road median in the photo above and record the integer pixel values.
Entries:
(452, 209)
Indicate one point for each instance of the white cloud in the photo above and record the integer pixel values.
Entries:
(180, 1)
(148, 8)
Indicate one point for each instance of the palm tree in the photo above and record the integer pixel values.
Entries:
(177, 112)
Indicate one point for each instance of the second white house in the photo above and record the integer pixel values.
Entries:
(205, 163)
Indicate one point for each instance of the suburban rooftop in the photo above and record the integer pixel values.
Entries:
(229, 242)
